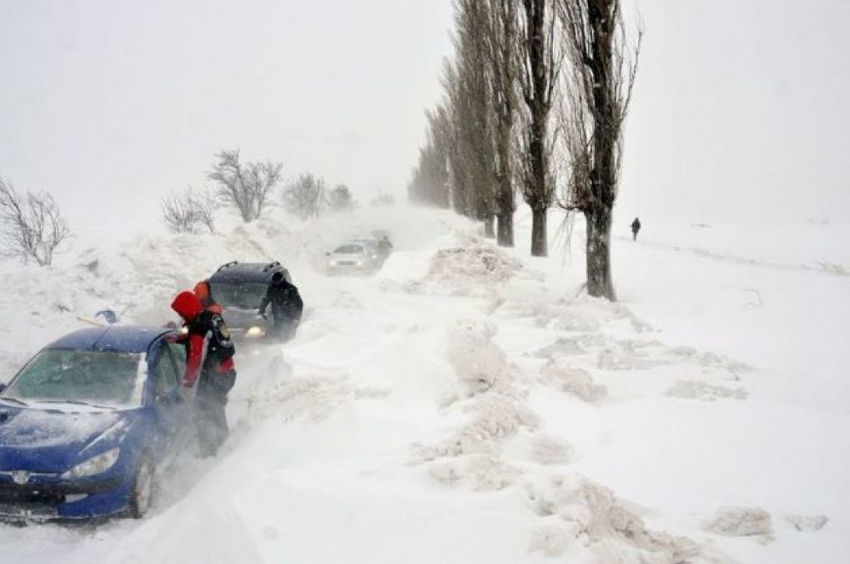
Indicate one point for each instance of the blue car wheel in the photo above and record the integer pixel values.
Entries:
(143, 488)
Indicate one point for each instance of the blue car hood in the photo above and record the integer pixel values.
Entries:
(48, 440)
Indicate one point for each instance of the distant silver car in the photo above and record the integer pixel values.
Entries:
(352, 258)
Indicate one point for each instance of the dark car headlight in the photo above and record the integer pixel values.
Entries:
(94, 465)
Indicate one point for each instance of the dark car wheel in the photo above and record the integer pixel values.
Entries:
(143, 488)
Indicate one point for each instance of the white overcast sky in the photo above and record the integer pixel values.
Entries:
(740, 107)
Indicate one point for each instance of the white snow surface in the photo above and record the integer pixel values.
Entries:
(471, 404)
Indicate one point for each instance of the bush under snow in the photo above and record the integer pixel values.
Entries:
(741, 522)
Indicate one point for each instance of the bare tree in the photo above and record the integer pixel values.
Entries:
(598, 89)
(474, 110)
(340, 199)
(31, 225)
(305, 197)
(430, 183)
(188, 212)
(244, 186)
(541, 61)
(458, 176)
(502, 56)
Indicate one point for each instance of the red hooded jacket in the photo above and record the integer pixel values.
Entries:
(189, 307)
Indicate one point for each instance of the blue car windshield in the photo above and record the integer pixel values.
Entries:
(242, 295)
(108, 378)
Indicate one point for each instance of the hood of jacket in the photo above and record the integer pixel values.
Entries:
(187, 305)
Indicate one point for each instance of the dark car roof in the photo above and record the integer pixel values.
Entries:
(234, 273)
(123, 338)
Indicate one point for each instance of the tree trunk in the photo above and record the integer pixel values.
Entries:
(539, 244)
(489, 230)
(505, 230)
(600, 282)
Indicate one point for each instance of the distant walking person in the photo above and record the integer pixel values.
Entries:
(635, 228)
(286, 305)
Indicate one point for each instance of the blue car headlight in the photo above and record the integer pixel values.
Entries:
(94, 465)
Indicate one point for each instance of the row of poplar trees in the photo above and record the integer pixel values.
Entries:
(535, 98)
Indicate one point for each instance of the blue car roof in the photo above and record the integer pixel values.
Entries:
(122, 338)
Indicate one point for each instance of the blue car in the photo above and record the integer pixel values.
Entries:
(87, 422)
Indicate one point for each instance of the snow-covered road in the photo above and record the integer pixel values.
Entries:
(464, 406)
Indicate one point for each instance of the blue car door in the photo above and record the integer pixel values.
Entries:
(172, 412)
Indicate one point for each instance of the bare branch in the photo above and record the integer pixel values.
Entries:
(31, 225)
(188, 212)
(245, 187)
(305, 197)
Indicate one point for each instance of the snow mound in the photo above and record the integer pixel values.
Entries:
(585, 314)
(478, 472)
(807, 523)
(701, 390)
(478, 362)
(496, 418)
(834, 268)
(546, 449)
(490, 398)
(575, 381)
(563, 346)
(473, 268)
(591, 515)
(741, 522)
(708, 360)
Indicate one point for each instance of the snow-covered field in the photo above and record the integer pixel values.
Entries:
(468, 404)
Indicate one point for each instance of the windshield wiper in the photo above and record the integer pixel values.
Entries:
(14, 400)
(80, 402)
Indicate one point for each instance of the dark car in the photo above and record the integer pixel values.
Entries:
(239, 288)
(86, 424)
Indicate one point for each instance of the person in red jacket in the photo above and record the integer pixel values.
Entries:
(204, 293)
(209, 363)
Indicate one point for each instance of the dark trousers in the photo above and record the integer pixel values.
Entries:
(210, 416)
(283, 327)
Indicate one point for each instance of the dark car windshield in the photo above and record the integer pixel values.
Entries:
(243, 295)
(349, 250)
(97, 377)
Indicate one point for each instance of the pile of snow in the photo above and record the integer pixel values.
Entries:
(586, 314)
(741, 522)
(478, 362)
(575, 381)
(701, 390)
(488, 394)
(503, 444)
(474, 268)
(589, 514)
(807, 523)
